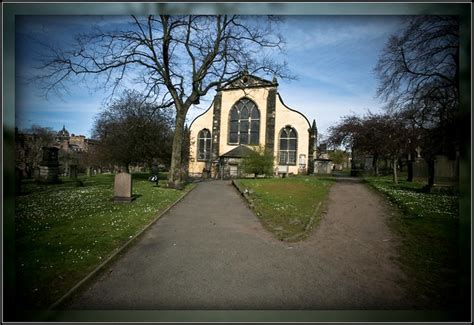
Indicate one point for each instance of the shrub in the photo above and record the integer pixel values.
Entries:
(258, 162)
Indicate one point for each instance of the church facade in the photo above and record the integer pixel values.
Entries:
(248, 112)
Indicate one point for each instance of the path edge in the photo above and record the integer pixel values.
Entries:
(116, 252)
(294, 238)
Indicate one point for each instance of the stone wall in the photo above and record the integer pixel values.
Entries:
(323, 166)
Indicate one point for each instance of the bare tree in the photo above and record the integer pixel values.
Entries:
(176, 59)
(418, 74)
(420, 67)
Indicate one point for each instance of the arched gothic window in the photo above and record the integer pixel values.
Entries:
(288, 144)
(204, 145)
(244, 123)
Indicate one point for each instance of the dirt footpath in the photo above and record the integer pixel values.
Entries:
(211, 252)
(355, 245)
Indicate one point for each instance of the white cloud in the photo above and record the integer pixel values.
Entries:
(317, 33)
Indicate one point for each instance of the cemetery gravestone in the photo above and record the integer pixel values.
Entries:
(36, 172)
(418, 152)
(123, 187)
(49, 166)
(73, 171)
(444, 167)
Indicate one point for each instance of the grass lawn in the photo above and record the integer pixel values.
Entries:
(428, 230)
(63, 232)
(288, 206)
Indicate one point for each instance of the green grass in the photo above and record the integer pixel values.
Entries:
(63, 232)
(286, 206)
(428, 229)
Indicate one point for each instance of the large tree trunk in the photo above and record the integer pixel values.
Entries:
(395, 176)
(175, 177)
(375, 165)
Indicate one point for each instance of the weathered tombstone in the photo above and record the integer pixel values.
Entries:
(88, 171)
(155, 171)
(418, 152)
(322, 166)
(49, 166)
(444, 167)
(420, 168)
(73, 171)
(282, 170)
(36, 172)
(123, 187)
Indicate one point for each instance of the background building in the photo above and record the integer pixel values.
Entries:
(248, 111)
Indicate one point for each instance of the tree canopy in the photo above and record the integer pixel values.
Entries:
(419, 69)
(133, 130)
(380, 135)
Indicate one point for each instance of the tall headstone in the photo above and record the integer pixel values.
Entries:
(123, 187)
(420, 168)
(444, 167)
(36, 172)
(418, 152)
(49, 166)
(73, 171)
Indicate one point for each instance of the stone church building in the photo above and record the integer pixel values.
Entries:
(248, 111)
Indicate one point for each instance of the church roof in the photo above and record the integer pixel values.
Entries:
(63, 132)
(238, 152)
(245, 80)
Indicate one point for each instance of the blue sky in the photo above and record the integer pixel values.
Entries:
(332, 56)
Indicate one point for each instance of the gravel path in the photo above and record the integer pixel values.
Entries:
(210, 252)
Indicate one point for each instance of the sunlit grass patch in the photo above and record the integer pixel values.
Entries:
(415, 202)
(288, 207)
(63, 232)
(429, 232)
